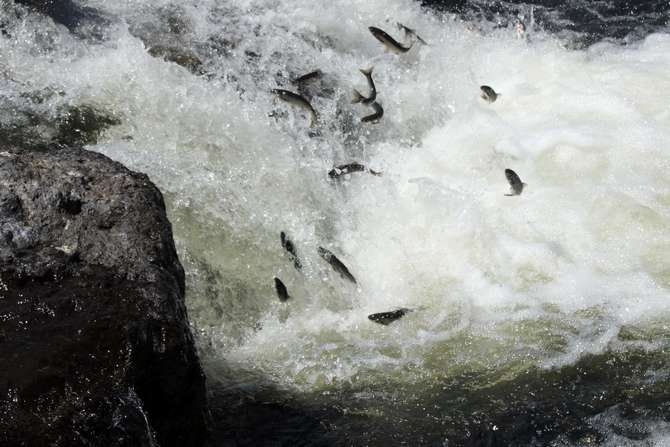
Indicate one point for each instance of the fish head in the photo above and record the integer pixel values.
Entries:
(323, 252)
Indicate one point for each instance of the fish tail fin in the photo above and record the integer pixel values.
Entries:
(366, 72)
(357, 97)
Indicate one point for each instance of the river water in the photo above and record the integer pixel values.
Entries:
(539, 319)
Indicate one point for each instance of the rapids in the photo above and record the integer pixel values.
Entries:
(574, 273)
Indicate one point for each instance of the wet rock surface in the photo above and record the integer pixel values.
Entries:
(95, 345)
(78, 19)
(582, 22)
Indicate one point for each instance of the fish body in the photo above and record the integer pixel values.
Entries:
(389, 42)
(488, 94)
(297, 100)
(520, 28)
(515, 182)
(358, 97)
(387, 318)
(375, 117)
(307, 77)
(337, 265)
(410, 32)
(282, 292)
(290, 248)
(341, 170)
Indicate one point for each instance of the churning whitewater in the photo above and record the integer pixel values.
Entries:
(575, 267)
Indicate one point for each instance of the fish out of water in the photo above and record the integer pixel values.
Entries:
(389, 42)
(410, 32)
(488, 94)
(520, 28)
(358, 97)
(515, 182)
(341, 170)
(282, 292)
(375, 117)
(290, 248)
(307, 77)
(387, 318)
(297, 100)
(337, 265)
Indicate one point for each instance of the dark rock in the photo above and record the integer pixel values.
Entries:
(95, 345)
(69, 14)
(82, 125)
(169, 36)
(73, 125)
(179, 55)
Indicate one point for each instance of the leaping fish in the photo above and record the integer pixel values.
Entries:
(389, 42)
(488, 94)
(337, 265)
(290, 248)
(307, 77)
(358, 97)
(387, 318)
(297, 100)
(282, 292)
(515, 182)
(375, 117)
(341, 170)
(410, 32)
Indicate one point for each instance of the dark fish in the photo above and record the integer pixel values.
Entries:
(488, 94)
(290, 248)
(340, 170)
(520, 28)
(358, 97)
(337, 265)
(295, 99)
(410, 32)
(389, 42)
(375, 117)
(307, 77)
(282, 293)
(515, 182)
(386, 318)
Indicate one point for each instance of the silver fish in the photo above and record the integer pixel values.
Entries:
(307, 77)
(282, 292)
(515, 182)
(488, 94)
(358, 97)
(340, 170)
(410, 32)
(389, 42)
(375, 117)
(337, 265)
(297, 100)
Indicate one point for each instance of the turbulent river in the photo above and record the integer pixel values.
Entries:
(538, 319)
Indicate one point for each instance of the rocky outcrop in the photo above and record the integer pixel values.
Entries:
(95, 345)
(68, 13)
